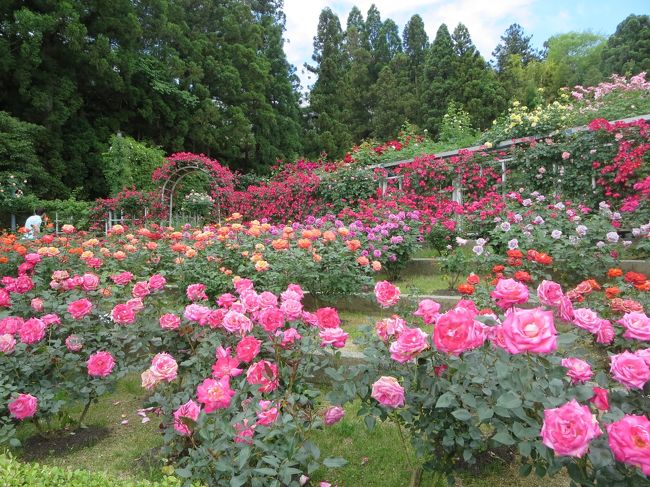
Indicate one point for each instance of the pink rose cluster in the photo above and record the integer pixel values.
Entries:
(61, 281)
(163, 368)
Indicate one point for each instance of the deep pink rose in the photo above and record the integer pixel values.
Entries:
(578, 370)
(100, 364)
(629, 440)
(226, 300)
(328, 318)
(122, 314)
(80, 308)
(164, 367)
(23, 284)
(11, 324)
(225, 364)
(190, 410)
(24, 406)
(215, 318)
(169, 321)
(637, 325)
(140, 289)
(587, 319)
(386, 294)
(529, 330)
(215, 394)
(600, 399)
(5, 298)
(32, 331)
(428, 310)
(157, 282)
(630, 370)
(196, 292)
(408, 345)
(245, 432)
(509, 292)
(7, 343)
(271, 319)
(388, 392)
(567, 430)
(264, 374)
(456, 332)
(268, 413)
(333, 415)
(333, 336)
(122, 278)
(248, 348)
(549, 293)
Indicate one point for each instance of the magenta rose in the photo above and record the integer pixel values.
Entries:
(386, 294)
(428, 310)
(333, 415)
(169, 321)
(123, 314)
(600, 399)
(164, 367)
(80, 308)
(408, 345)
(549, 293)
(578, 370)
(24, 406)
(157, 282)
(509, 292)
(529, 330)
(32, 331)
(567, 430)
(328, 318)
(215, 394)
(7, 343)
(333, 336)
(100, 364)
(268, 413)
(264, 374)
(637, 325)
(387, 392)
(271, 318)
(630, 370)
(188, 411)
(248, 348)
(629, 440)
(456, 331)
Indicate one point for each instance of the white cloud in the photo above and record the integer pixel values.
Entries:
(486, 21)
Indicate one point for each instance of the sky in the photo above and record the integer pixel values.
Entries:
(486, 19)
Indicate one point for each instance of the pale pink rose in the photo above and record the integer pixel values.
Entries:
(549, 293)
(605, 333)
(60, 275)
(333, 336)
(122, 314)
(24, 406)
(565, 309)
(148, 379)
(122, 278)
(100, 364)
(629, 440)
(37, 305)
(250, 300)
(587, 319)
(140, 289)
(68, 229)
(32, 331)
(169, 321)
(164, 367)
(386, 294)
(248, 348)
(428, 310)
(389, 327)
(215, 394)
(80, 308)
(578, 370)
(196, 292)
(456, 331)
(529, 330)
(567, 430)
(388, 392)
(268, 413)
(600, 399)
(89, 282)
(630, 370)
(51, 319)
(235, 322)
(410, 343)
(188, 411)
(290, 295)
(136, 304)
(295, 288)
(7, 343)
(328, 318)
(264, 374)
(197, 313)
(333, 415)
(268, 300)
(509, 292)
(237, 307)
(74, 343)
(566, 155)
(242, 285)
(637, 326)
(157, 282)
(292, 309)
(271, 319)
(11, 324)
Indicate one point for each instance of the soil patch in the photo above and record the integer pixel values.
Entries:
(64, 443)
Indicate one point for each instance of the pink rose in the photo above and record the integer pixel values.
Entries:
(245, 432)
(587, 319)
(630, 370)
(215, 394)
(148, 380)
(250, 300)
(24, 406)
(388, 392)
(136, 304)
(644, 354)
(529, 330)
(122, 314)
(290, 295)
(157, 282)
(32, 331)
(235, 322)
(578, 370)
(509, 292)
(80, 308)
(225, 364)
(296, 289)
(122, 279)
(268, 414)
(264, 374)
(89, 281)
(188, 411)
(5, 298)
(226, 300)
(242, 285)
(333, 336)
(605, 333)
(33, 258)
(141, 289)
(7, 343)
(51, 319)
(248, 348)
(196, 292)
(328, 318)
(389, 327)
(600, 399)
(164, 367)
(100, 364)
(215, 318)
(197, 313)
(289, 336)
(428, 310)
(567, 430)
(271, 319)
(11, 324)
(37, 305)
(549, 293)
(408, 345)
(456, 332)
(74, 343)
(268, 300)
(169, 321)
(23, 284)
(333, 415)
(629, 440)
(386, 294)
(292, 309)
(565, 309)
(637, 325)
(467, 305)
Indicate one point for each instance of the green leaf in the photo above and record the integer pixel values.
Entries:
(525, 469)
(504, 438)
(461, 414)
(509, 400)
(485, 413)
(269, 472)
(334, 462)
(446, 400)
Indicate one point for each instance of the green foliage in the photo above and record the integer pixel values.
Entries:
(628, 50)
(130, 163)
(456, 126)
(346, 186)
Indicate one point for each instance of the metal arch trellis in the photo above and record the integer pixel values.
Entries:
(167, 192)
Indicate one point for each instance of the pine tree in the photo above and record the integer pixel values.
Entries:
(514, 42)
(438, 78)
(628, 49)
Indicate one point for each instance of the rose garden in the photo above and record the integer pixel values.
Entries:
(396, 317)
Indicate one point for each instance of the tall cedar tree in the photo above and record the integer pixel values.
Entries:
(439, 78)
(416, 44)
(628, 49)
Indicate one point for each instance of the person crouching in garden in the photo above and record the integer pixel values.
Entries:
(33, 224)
